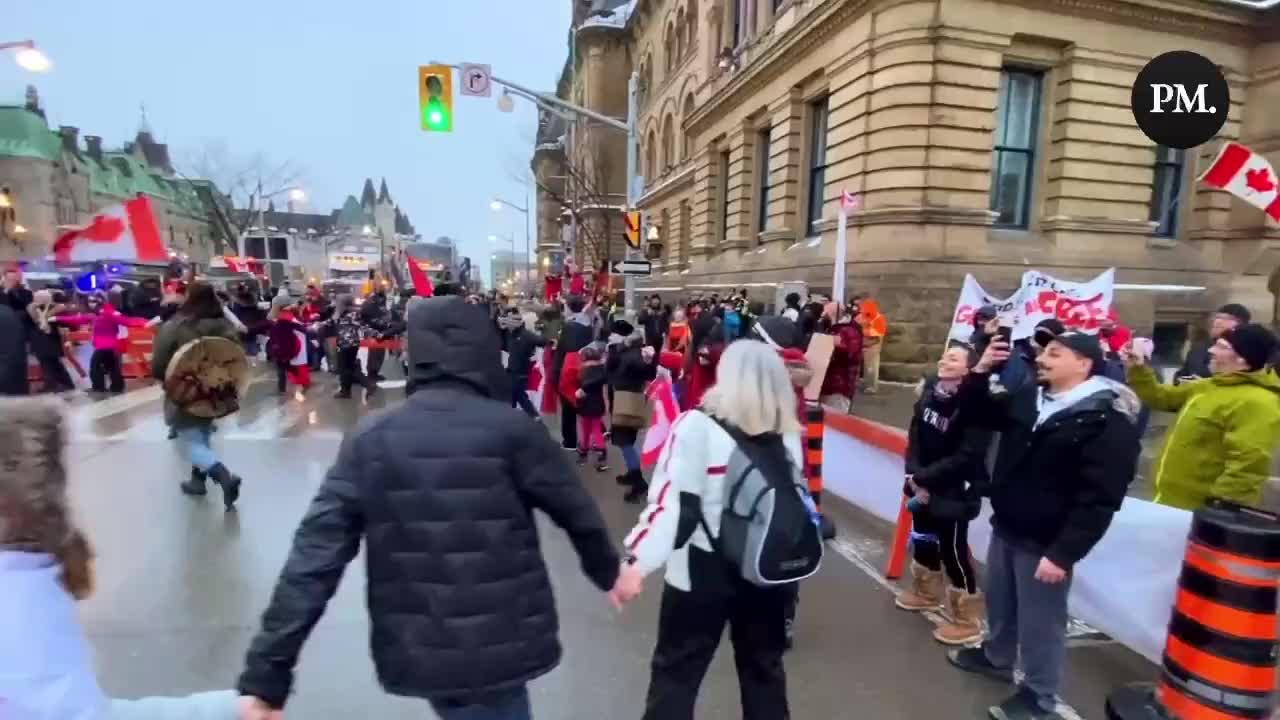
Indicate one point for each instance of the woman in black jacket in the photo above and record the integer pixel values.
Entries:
(631, 366)
(946, 472)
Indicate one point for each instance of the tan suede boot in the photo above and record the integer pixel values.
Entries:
(926, 590)
(964, 627)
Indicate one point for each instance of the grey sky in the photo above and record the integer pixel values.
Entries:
(328, 85)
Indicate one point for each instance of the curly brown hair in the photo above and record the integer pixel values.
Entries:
(34, 511)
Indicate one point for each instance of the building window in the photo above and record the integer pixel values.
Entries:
(723, 170)
(762, 180)
(1018, 120)
(686, 232)
(817, 162)
(739, 26)
(1166, 190)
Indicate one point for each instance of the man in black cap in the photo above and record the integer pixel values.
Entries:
(1228, 425)
(1068, 451)
(1228, 317)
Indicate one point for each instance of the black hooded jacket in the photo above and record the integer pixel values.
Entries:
(1056, 485)
(946, 448)
(442, 489)
(13, 352)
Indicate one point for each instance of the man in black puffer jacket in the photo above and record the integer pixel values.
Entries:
(442, 490)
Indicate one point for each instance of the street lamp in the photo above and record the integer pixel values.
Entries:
(28, 56)
(505, 103)
(496, 205)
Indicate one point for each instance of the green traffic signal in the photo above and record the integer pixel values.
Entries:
(437, 116)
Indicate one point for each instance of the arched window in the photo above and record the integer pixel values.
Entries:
(668, 143)
(651, 155)
(646, 78)
(682, 35)
(691, 24)
(685, 112)
(669, 46)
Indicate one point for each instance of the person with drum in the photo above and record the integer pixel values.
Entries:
(200, 359)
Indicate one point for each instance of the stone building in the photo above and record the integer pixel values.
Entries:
(55, 181)
(580, 166)
(983, 136)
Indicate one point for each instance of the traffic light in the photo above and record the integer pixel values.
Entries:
(435, 97)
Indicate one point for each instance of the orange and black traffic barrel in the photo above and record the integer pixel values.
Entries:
(815, 428)
(1220, 655)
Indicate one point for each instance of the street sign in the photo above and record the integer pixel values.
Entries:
(633, 267)
(633, 230)
(476, 80)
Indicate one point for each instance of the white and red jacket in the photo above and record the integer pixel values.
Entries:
(693, 461)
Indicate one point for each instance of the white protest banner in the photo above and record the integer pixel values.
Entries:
(1078, 305)
(973, 297)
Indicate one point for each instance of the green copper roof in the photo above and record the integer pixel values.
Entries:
(119, 175)
(26, 134)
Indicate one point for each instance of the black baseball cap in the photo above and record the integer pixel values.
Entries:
(1086, 346)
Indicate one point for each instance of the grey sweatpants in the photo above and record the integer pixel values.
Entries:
(1028, 615)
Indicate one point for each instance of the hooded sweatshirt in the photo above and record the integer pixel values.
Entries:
(1222, 442)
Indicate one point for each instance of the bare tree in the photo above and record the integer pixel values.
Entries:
(586, 189)
(242, 178)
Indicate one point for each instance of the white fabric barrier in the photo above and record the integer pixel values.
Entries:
(1125, 587)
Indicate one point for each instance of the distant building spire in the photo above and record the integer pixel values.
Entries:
(143, 125)
(384, 195)
(367, 197)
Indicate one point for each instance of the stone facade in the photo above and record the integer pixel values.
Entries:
(763, 118)
(579, 165)
(55, 181)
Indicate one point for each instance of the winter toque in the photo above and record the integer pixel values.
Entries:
(1254, 343)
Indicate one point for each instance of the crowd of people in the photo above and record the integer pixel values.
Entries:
(1046, 428)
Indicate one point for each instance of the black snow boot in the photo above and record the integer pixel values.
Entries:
(639, 488)
(195, 485)
(229, 483)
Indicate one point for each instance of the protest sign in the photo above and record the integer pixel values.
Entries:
(1078, 305)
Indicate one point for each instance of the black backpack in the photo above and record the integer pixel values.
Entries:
(769, 527)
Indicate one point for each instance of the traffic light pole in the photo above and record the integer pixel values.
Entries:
(561, 107)
(633, 189)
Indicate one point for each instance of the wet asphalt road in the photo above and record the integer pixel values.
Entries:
(182, 585)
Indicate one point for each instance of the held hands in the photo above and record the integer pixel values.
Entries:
(996, 354)
(1048, 572)
(647, 353)
(251, 708)
(629, 585)
(580, 394)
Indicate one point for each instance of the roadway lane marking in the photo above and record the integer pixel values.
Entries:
(118, 403)
(849, 551)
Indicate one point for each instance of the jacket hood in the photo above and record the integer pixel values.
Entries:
(1264, 378)
(451, 340)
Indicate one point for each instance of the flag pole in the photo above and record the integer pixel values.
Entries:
(848, 202)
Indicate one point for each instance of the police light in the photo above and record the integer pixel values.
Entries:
(88, 283)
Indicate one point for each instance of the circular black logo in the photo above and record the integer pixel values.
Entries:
(1180, 99)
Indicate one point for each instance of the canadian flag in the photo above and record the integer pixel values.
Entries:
(662, 394)
(1247, 175)
(127, 231)
(421, 281)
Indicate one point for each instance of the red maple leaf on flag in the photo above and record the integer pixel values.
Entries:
(104, 229)
(1259, 180)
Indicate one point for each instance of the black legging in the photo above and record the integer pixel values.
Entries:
(949, 552)
(56, 377)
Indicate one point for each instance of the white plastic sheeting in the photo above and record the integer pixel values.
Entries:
(1125, 587)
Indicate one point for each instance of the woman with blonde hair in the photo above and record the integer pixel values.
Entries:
(744, 434)
(46, 668)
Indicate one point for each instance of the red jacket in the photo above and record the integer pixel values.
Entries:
(846, 362)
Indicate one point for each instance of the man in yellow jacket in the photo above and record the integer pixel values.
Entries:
(1228, 425)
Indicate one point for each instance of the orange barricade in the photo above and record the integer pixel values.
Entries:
(815, 431)
(890, 440)
(136, 360)
(1220, 654)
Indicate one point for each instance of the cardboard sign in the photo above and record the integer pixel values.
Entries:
(819, 356)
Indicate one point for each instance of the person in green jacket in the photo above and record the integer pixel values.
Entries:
(1228, 425)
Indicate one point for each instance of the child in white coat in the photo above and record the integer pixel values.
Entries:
(46, 665)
